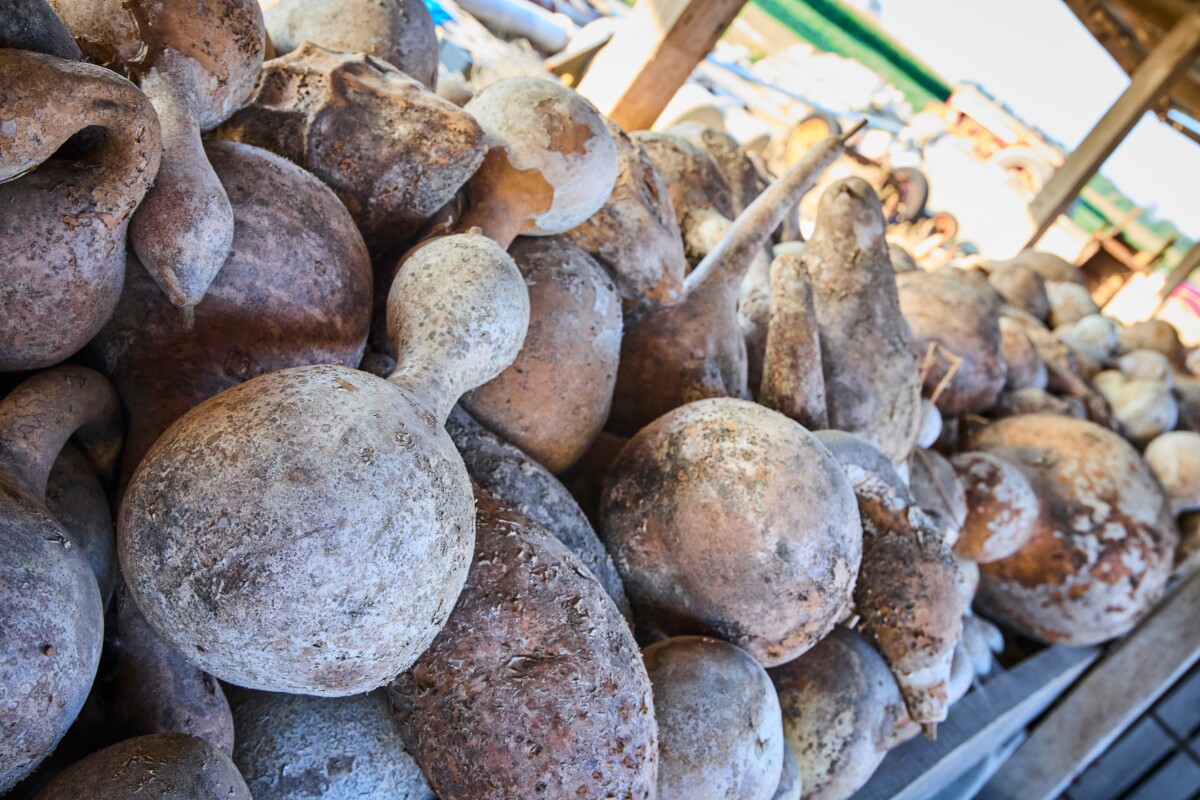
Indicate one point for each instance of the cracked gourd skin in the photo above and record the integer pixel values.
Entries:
(400, 32)
(197, 63)
(728, 519)
(1102, 545)
(695, 349)
(163, 766)
(553, 400)
(296, 290)
(49, 600)
(292, 747)
(535, 650)
(635, 235)
(337, 516)
(62, 222)
(719, 726)
(393, 151)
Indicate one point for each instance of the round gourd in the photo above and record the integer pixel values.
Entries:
(1001, 507)
(719, 729)
(728, 519)
(308, 531)
(1103, 542)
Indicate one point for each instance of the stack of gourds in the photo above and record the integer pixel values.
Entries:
(357, 443)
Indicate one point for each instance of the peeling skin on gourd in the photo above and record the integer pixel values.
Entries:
(551, 144)
(1102, 546)
(400, 32)
(63, 223)
(551, 410)
(842, 712)
(393, 151)
(536, 649)
(1001, 507)
(703, 508)
(166, 766)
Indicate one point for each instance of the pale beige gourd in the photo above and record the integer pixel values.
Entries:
(197, 63)
(63, 223)
(49, 600)
(328, 471)
(550, 161)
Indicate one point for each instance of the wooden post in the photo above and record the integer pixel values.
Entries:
(1168, 61)
(657, 46)
(1188, 265)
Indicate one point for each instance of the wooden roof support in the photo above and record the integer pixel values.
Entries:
(1173, 56)
(1186, 266)
(657, 46)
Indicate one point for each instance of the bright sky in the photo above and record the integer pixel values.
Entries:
(1037, 57)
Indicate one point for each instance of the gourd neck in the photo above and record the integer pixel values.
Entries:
(41, 414)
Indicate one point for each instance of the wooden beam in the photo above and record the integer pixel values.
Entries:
(1186, 266)
(657, 46)
(1106, 702)
(1172, 57)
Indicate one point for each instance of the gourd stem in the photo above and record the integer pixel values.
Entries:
(730, 259)
(41, 414)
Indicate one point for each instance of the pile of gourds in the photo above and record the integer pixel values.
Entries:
(356, 443)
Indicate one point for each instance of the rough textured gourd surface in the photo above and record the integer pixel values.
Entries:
(728, 519)
(305, 531)
(719, 726)
(535, 687)
(841, 713)
(635, 235)
(553, 400)
(1001, 507)
(1102, 546)
(400, 32)
(296, 290)
(520, 483)
(872, 385)
(791, 784)
(393, 151)
(161, 766)
(219, 39)
(63, 223)
(959, 313)
(293, 747)
(160, 691)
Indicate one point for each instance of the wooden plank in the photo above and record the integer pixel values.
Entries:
(1106, 702)
(651, 55)
(1162, 68)
(1125, 763)
(1175, 780)
(978, 724)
